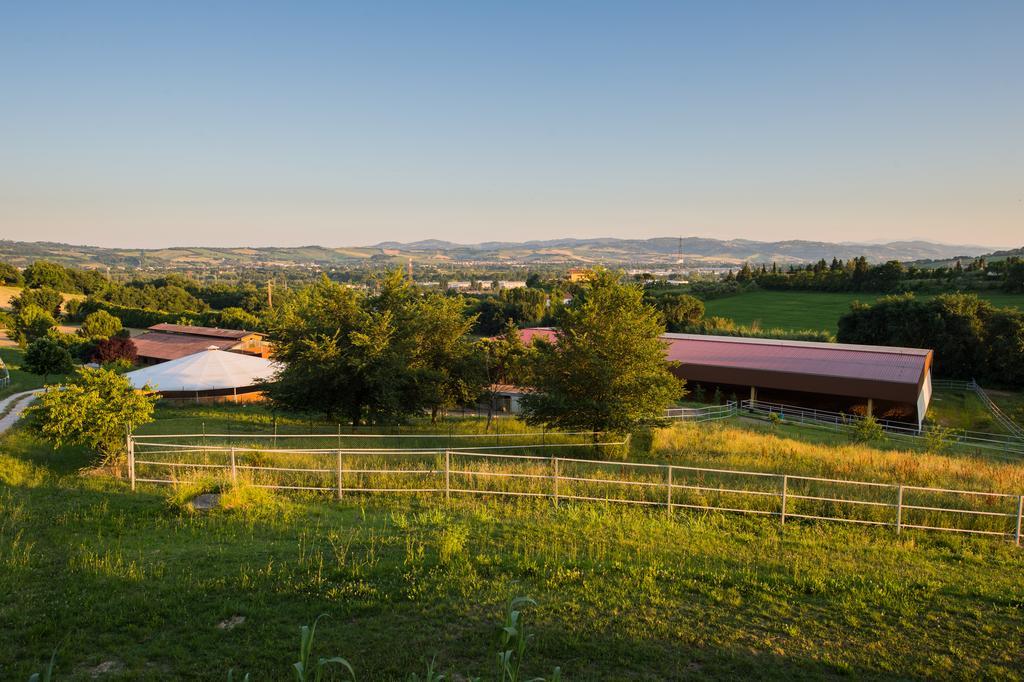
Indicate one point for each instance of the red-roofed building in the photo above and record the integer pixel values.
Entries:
(881, 380)
(165, 342)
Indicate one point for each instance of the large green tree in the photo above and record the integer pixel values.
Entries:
(377, 358)
(606, 369)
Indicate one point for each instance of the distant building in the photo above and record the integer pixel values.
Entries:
(164, 342)
(580, 274)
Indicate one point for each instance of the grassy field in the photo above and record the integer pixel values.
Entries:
(807, 310)
(138, 585)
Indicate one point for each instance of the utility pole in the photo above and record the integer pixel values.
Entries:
(270, 294)
(410, 269)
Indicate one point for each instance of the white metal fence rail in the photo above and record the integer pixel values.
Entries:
(702, 414)
(483, 472)
(1007, 444)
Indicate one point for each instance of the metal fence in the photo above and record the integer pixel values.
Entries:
(1010, 446)
(493, 471)
(702, 414)
(5, 375)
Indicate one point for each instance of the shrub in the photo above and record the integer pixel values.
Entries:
(115, 349)
(98, 409)
(938, 438)
(100, 325)
(867, 430)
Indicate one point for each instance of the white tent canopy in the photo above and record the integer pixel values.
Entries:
(207, 370)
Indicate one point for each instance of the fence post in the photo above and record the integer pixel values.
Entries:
(341, 492)
(447, 474)
(785, 491)
(131, 466)
(234, 468)
(554, 464)
(1020, 515)
(669, 480)
(899, 510)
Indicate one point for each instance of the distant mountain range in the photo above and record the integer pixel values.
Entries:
(695, 251)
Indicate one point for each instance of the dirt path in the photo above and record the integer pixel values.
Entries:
(16, 404)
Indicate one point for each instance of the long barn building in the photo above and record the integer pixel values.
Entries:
(889, 382)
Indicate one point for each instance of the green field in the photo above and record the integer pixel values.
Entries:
(807, 310)
(137, 584)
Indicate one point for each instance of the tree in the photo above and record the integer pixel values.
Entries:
(449, 369)
(45, 356)
(236, 318)
(96, 410)
(10, 275)
(43, 273)
(1014, 276)
(31, 323)
(606, 370)
(100, 325)
(680, 310)
(115, 349)
(46, 298)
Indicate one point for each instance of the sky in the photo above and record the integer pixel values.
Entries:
(150, 124)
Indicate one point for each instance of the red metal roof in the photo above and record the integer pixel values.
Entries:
(874, 363)
(212, 332)
(832, 368)
(162, 346)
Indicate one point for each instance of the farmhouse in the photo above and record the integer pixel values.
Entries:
(164, 342)
(889, 382)
(211, 375)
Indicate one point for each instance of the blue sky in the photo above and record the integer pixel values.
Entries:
(154, 124)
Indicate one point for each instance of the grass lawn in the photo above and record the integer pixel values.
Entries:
(139, 585)
(808, 310)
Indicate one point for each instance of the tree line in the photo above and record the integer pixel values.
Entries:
(857, 274)
(400, 351)
(971, 337)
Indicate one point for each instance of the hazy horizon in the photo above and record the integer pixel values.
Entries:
(138, 126)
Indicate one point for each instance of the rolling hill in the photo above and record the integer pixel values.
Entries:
(696, 251)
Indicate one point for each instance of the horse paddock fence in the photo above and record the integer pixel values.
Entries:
(557, 471)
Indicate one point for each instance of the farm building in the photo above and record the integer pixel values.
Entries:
(211, 375)
(894, 383)
(164, 342)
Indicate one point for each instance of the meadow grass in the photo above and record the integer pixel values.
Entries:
(810, 309)
(622, 593)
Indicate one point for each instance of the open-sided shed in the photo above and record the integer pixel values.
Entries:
(883, 380)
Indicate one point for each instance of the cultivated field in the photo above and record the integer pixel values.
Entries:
(808, 310)
(138, 584)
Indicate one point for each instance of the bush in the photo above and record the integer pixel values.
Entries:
(868, 430)
(100, 325)
(115, 349)
(98, 410)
